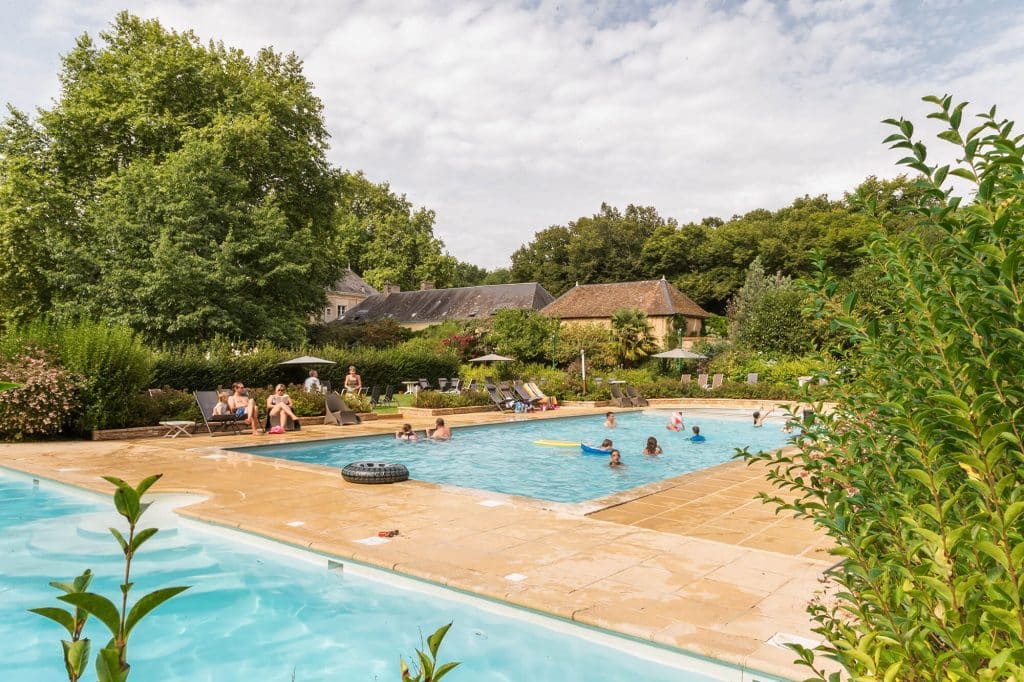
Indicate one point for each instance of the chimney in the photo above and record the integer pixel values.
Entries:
(390, 288)
(426, 284)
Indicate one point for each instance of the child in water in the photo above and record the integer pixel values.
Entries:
(406, 433)
(652, 447)
(675, 422)
(696, 437)
(616, 459)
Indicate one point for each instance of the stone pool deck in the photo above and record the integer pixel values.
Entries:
(693, 563)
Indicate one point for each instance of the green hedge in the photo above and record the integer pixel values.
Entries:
(194, 369)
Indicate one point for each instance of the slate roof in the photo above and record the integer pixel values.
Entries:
(439, 305)
(351, 283)
(656, 297)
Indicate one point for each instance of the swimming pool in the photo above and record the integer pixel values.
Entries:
(504, 458)
(259, 611)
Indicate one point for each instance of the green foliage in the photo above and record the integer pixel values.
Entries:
(176, 187)
(112, 661)
(198, 368)
(437, 399)
(737, 364)
(429, 670)
(765, 314)
(594, 339)
(111, 362)
(522, 334)
(375, 334)
(716, 325)
(383, 237)
(631, 335)
(41, 398)
(917, 474)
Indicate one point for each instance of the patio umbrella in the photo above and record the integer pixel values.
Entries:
(680, 354)
(491, 357)
(307, 360)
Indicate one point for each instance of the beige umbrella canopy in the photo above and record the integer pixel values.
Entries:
(307, 360)
(679, 354)
(491, 357)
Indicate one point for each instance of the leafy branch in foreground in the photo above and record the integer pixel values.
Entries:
(429, 670)
(917, 474)
(111, 662)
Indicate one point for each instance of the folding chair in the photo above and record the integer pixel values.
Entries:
(207, 400)
(442, 384)
(702, 380)
(337, 411)
(635, 398)
(389, 396)
(716, 381)
(375, 395)
(425, 385)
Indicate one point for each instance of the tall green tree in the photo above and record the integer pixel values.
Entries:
(178, 187)
(522, 334)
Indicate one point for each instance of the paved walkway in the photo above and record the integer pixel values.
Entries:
(696, 566)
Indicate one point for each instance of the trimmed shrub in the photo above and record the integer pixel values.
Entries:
(376, 334)
(438, 400)
(41, 398)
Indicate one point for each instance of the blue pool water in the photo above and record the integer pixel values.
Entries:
(254, 614)
(504, 458)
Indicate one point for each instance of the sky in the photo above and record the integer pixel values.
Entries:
(506, 118)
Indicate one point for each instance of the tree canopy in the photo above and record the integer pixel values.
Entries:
(177, 187)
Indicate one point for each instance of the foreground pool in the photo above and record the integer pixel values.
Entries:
(505, 458)
(259, 613)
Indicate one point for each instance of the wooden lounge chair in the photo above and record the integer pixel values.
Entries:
(716, 381)
(702, 380)
(618, 399)
(207, 400)
(337, 411)
(752, 378)
(635, 398)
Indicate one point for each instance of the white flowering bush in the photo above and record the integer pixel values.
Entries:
(42, 401)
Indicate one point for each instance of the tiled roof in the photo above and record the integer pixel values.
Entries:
(351, 283)
(438, 305)
(656, 297)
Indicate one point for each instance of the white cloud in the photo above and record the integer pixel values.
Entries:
(506, 119)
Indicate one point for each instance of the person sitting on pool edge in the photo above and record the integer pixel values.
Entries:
(675, 422)
(615, 459)
(609, 420)
(696, 437)
(652, 447)
(440, 432)
(406, 433)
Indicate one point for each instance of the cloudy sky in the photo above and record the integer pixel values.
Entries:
(508, 117)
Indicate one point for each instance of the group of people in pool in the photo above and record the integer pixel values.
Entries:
(651, 449)
(440, 432)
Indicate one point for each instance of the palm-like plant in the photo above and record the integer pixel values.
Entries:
(632, 335)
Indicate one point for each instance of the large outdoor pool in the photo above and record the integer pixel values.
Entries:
(505, 458)
(260, 612)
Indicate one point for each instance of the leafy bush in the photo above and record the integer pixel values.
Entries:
(437, 399)
(375, 334)
(737, 364)
(594, 339)
(113, 364)
(775, 323)
(42, 398)
(522, 334)
(917, 475)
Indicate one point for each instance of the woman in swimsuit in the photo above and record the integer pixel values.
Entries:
(280, 405)
(242, 406)
(353, 382)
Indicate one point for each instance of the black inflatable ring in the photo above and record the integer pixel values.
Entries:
(375, 472)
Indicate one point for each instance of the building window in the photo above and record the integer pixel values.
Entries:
(341, 311)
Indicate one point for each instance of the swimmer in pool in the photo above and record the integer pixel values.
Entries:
(696, 437)
(652, 447)
(615, 459)
(609, 420)
(675, 422)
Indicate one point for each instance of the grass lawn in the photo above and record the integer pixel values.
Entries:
(403, 400)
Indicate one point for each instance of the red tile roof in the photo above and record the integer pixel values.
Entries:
(656, 297)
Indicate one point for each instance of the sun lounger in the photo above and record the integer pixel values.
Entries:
(716, 381)
(752, 378)
(425, 385)
(207, 400)
(685, 380)
(702, 381)
(618, 399)
(337, 411)
(524, 396)
(500, 401)
(635, 398)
